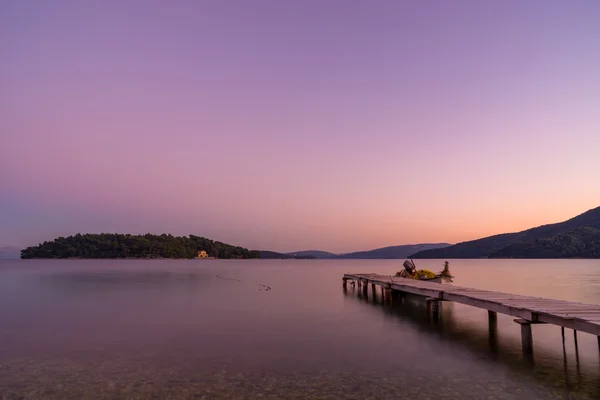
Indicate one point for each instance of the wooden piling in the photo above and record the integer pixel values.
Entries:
(387, 295)
(492, 319)
(493, 334)
(433, 308)
(432, 305)
(577, 364)
(526, 336)
(399, 296)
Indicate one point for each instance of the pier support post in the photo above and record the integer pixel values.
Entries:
(433, 308)
(345, 284)
(374, 294)
(400, 296)
(365, 289)
(387, 295)
(526, 336)
(432, 305)
(492, 319)
(493, 330)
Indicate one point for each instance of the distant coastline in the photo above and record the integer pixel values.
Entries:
(576, 238)
(168, 247)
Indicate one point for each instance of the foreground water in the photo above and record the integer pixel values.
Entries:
(214, 330)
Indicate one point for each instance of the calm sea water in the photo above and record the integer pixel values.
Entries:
(212, 330)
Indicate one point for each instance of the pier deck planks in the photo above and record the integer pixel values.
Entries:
(578, 316)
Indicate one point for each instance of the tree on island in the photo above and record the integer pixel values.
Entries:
(114, 245)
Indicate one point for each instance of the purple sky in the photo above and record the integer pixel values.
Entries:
(337, 125)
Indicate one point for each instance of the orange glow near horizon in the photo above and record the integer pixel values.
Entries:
(187, 119)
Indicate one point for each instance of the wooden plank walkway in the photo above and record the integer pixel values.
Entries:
(567, 314)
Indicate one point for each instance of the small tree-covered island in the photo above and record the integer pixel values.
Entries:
(114, 245)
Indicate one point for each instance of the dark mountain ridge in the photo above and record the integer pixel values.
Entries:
(581, 242)
(273, 255)
(485, 247)
(312, 253)
(391, 252)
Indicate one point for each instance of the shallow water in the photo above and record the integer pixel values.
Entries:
(279, 329)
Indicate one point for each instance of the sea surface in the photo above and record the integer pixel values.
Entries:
(270, 329)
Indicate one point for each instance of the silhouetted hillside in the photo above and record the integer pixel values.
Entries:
(312, 253)
(578, 243)
(273, 255)
(109, 245)
(392, 252)
(485, 247)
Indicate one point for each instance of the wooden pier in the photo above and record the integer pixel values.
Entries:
(527, 310)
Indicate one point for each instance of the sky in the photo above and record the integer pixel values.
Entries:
(334, 125)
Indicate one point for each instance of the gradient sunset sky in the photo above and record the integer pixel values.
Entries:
(290, 125)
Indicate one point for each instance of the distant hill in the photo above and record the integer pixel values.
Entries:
(392, 252)
(117, 245)
(486, 247)
(10, 253)
(312, 253)
(578, 243)
(273, 255)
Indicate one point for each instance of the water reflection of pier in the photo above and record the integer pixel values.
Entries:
(545, 367)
